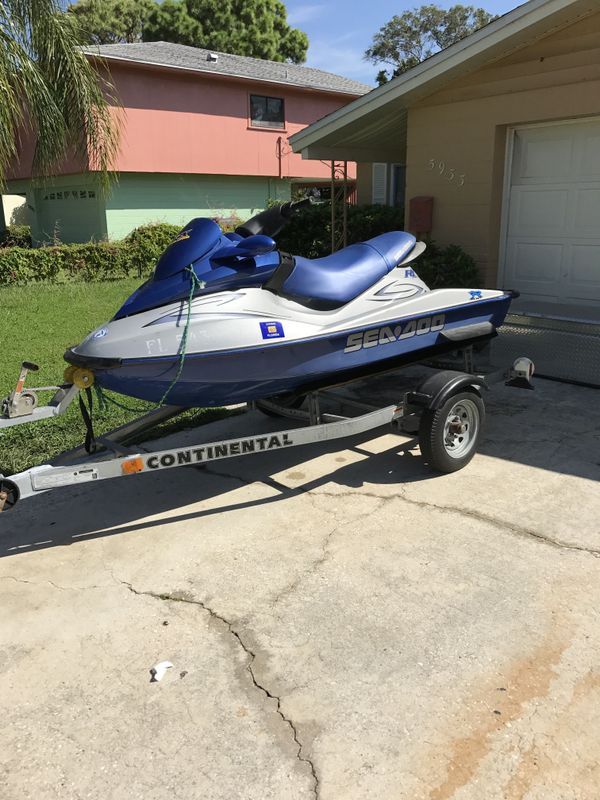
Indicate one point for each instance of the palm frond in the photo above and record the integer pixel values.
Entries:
(52, 92)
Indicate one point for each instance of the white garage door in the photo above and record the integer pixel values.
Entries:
(553, 235)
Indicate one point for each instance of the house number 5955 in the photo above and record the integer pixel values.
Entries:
(447, 173)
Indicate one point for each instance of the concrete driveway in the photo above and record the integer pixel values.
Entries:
(342, 623)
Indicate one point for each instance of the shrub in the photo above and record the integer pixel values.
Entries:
(16, 236)
(134, 256)
(309, 235)
(447, 267)
(309, 232)
(75, 262)
(146, 244)
(95, 261)
(228, 224)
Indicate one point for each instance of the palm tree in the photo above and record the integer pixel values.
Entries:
(50, 91)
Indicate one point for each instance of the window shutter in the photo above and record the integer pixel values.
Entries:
(380, 183)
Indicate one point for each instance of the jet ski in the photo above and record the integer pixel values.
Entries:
(228, 318)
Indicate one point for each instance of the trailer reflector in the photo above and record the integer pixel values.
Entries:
(132, 466)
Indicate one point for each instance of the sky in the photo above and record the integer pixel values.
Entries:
(341, 30)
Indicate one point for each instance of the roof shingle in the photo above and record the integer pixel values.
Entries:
(181, 56)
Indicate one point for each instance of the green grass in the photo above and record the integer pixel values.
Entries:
(38, 323)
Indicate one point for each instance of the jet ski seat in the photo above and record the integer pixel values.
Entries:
(337, 279)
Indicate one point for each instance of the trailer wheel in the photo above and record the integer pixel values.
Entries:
(9, 495)
(449, 435)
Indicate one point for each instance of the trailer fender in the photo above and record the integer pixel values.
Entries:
(433, 392)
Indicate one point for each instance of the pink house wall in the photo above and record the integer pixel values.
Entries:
(191, 123)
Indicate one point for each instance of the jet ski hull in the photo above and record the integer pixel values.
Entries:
(281, 365)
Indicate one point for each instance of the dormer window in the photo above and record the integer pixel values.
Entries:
(266, 112)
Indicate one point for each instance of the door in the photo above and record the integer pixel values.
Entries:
(70, 214)
(553, 233)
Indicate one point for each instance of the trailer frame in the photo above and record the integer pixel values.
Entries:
(117, 459)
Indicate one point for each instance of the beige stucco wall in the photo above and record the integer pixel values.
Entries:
(14, 206)
(457, 137)
(364, 183)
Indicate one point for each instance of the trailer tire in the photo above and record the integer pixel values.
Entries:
(449, 435)
(10, 494)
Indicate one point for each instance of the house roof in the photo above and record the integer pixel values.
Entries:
(373, 127)
(196, 59)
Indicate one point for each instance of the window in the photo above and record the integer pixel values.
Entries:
(380, 184)
(398, 184)
(266, 112)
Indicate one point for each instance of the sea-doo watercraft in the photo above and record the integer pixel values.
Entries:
(228, 318)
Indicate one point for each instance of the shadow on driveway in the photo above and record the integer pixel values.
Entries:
(556, 428)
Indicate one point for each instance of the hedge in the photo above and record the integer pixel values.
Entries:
(308, 234)
(145, 245)
(135, 256)
(16, 236)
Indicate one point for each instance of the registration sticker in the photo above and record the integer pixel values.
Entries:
(272, 330)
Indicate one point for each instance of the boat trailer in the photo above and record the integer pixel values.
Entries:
(445, 410)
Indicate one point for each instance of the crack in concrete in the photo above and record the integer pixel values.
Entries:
(174, 598)
(310, 569)
(51, 583)
(325, 549)
(507, 527)
(503, 525)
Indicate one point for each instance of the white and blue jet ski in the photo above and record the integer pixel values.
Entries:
(227, 318)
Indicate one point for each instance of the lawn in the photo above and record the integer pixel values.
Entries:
(38, 323)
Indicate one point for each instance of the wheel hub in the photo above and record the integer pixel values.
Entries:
(460, 430)
(9, 495)
(456, 427)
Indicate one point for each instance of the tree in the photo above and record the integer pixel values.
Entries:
(257, 28)
(170, 22)
(112, 21)
(411, 37)
(50, 90)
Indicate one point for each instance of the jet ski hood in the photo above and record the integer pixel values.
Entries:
(194, 241)
(219, 260)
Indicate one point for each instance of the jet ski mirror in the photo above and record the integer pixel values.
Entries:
(251, 247)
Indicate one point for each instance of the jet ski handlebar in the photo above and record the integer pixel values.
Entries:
(270, 221)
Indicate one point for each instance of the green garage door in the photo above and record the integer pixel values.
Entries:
(70, 214)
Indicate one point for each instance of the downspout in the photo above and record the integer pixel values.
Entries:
(280, 155)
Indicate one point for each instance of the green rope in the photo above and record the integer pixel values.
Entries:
(104, 399)
(182, 351)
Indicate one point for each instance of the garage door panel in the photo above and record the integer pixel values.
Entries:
(553, 222)
(539, 211)
(543, 157)
(536, 267)
(590, 160)
(70, 214)
(587, 211)
(584, 272)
